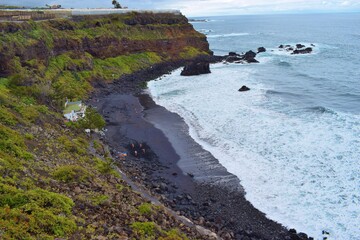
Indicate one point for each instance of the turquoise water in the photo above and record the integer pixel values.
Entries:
(294, 139)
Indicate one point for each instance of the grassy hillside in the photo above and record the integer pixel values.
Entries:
(55, 181)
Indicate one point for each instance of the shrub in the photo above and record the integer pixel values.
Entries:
(92, 120)
(174, 234)
(10, 167)
(144, 230)
(98, 199)
(35, 213)
(145, 209)
(7, 117)
(29, 136)
(71, 173)
(12, 143)
(77, 145)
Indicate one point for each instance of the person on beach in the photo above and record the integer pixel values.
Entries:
(122, 155)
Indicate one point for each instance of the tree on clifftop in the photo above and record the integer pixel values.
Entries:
(116, 4)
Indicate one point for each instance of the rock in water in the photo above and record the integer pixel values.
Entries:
(196, 68)
(250, 57)
(232, 59)
(261, 49)
(300, 45)
(302, 51)
(244, 88)
(233, 54)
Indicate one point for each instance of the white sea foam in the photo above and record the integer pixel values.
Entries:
(228, 35)
(206, 31)
(300, 169)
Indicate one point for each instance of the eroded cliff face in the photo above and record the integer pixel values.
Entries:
(170, 36)
(69, 56)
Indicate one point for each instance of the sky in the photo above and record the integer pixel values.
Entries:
(194, 8)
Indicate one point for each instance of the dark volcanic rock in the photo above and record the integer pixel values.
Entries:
(233, 54)
(250, 57)
(232, 59)
(261, 49)
(302, 51)
(300, 45)
(297, 49)
(196, 68)
(244, 88)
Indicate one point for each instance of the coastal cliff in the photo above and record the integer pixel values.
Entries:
(78, 52)
(56, 181)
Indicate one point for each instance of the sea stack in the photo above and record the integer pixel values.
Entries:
(196, 68)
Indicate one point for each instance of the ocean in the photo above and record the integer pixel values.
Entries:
(293, 140)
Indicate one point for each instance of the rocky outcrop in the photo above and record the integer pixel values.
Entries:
(244, 89)
(261, 49)
(297, 49)
(196, 68)
(302, 51)
(248, 57)
(299, 45)
(233, 58)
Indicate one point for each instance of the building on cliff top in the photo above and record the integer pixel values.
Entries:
(74, 110)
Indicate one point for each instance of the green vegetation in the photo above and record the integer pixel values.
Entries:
(144, 230)
(191, 52)
(71, 173)
(10, 7)
(92, 120)
(145, 209)
(174, 234)
(55, 181)
(34, 213)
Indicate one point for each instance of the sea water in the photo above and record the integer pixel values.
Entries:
(294, 138)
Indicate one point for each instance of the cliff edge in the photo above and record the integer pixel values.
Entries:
(55, 180)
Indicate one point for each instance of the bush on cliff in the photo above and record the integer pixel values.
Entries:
(34, 213)
(92, 120)
(71, 173)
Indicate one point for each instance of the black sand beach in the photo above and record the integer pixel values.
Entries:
(175, 168)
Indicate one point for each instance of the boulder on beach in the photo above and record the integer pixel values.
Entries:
(196, 68)
(261, 49)
(244, 89)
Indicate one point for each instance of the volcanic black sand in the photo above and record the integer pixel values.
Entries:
(174, 167)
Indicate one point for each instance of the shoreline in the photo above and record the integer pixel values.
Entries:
(183, 175)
